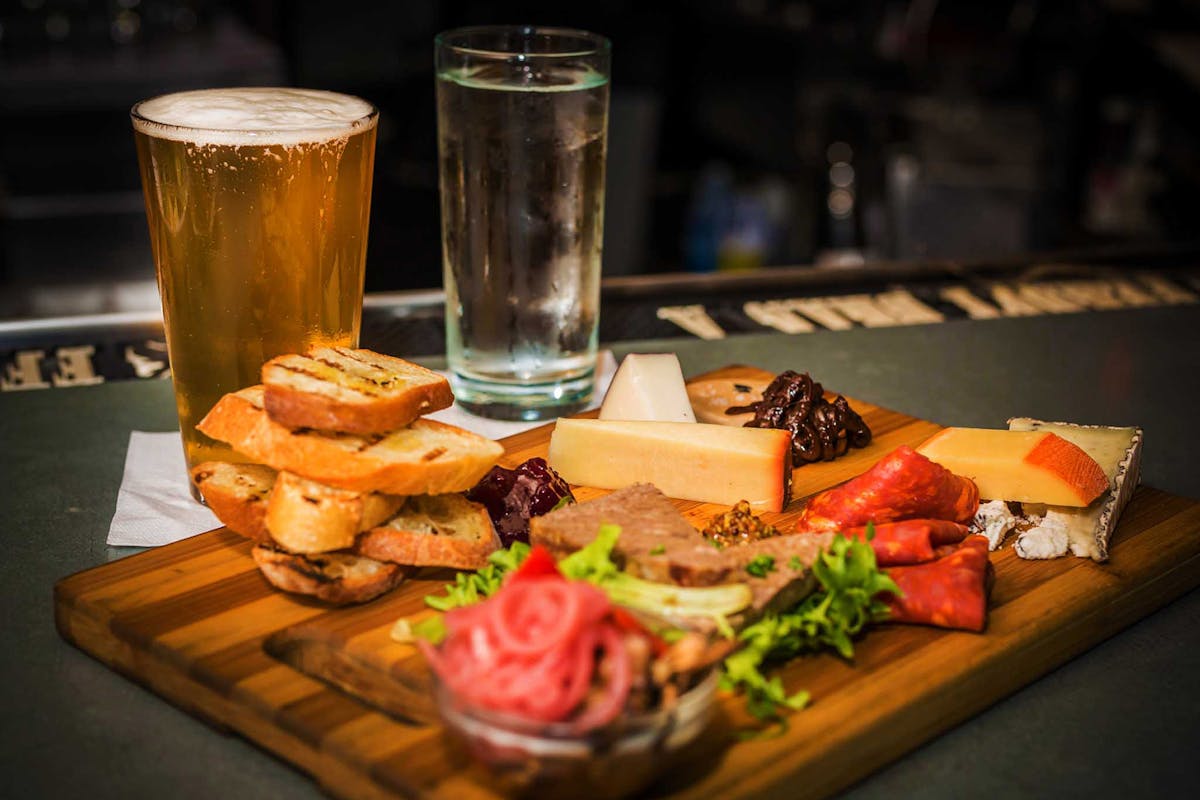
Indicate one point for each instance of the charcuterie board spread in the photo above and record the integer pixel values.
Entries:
(198, 622)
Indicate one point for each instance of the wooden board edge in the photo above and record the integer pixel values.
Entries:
(960, 700)
(324, 661)
(223, 714)
(93, 637)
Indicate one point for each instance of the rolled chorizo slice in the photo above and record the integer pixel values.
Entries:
(913, 541)
(950, 592)
(902, 485)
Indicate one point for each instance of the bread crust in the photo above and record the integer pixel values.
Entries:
(304, 516)
(351, 391)
(434, 531)
(337, 578)
(427, 457)
(238, 495)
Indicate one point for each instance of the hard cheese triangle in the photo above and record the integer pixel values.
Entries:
(1086, 531)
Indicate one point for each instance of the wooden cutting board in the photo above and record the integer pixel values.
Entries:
(189, 621)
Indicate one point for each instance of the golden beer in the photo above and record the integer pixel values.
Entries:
(258, 202)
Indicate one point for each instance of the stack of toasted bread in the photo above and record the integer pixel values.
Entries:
(351, 488)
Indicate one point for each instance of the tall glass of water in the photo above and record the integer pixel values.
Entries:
(522, 118)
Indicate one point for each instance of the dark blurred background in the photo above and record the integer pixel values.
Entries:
(750, 134)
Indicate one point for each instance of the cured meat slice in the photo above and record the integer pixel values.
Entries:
(902, 485)
(950, 592)
(912, 541)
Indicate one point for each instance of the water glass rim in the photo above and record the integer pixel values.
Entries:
(600, 44)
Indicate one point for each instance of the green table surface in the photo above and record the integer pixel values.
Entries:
(1121, 720)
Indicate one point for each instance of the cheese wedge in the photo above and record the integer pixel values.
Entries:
(1026, 466)
(687, 460)
(1085, 531)
(648, 386)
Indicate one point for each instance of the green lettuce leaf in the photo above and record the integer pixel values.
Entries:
(471, 587)
(829, 618)
(593, 562)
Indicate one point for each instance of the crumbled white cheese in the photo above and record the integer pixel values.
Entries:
(1050, 538)
(994, 520)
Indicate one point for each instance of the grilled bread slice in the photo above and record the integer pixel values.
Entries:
(336, 578)
(238, 495)
(287, 511)
(304, 516)
(445, 530)
(352, 391)
(426, 457)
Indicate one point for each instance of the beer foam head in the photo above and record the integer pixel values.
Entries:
(253, 116)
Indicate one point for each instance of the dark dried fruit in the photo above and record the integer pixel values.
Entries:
(512, 496)
(821, 430)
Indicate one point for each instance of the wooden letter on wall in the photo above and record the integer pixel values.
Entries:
(75, 367)
(24, 373)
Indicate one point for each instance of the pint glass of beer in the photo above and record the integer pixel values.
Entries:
(258, 201)
(522, 118)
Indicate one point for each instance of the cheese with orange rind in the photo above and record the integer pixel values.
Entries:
(1085, 532)
(1024, 466)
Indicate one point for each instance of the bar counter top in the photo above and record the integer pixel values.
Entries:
(1121, 720)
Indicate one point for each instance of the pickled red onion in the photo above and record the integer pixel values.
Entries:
(522, 626)
(532, 650)
(617, 690)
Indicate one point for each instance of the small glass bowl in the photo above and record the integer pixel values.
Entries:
(553, 760)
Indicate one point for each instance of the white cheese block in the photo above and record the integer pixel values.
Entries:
(648, 386)
(1088, 530)
(687, 460)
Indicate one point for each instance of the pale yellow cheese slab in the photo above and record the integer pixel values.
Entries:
(686, 460)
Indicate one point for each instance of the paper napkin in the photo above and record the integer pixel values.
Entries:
(155, 507)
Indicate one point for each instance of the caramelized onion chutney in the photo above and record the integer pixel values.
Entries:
(821, 430)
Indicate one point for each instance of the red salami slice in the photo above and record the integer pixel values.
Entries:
(912, 541)
(949, 593)
(902, 485)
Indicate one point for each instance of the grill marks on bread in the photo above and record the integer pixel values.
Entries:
(392, 463)
(436, 452)
(372, 381)
(238, 494)
(357, 386)
(288, 511)
(290, 515)
(337, 578)
(308, 517)
(445, 530)
(355, 490)
(350, 391)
